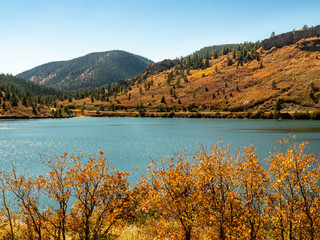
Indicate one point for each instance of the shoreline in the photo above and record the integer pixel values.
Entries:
(303, 115)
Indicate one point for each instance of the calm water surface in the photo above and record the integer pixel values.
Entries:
(129, 141)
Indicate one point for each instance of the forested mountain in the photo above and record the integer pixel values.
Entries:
(22, 86)
(20, 98)
(92, 70)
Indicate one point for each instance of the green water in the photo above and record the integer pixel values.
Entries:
(129, 141)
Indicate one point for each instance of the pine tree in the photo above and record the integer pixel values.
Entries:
(229, 61)
(206, 65)
(261, 65)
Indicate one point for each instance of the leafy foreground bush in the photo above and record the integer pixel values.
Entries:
(216, 195)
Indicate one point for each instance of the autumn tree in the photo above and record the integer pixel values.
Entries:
(294, 202)
(100, 194)
(216, 189)
(6, 213)
(27, 195)
(252, 184)
(171, 191)
(57, 187)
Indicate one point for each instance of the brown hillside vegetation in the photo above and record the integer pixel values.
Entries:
(288, 73)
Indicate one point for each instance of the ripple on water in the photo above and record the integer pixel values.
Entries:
(129, 141)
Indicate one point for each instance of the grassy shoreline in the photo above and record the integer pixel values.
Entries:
(301, 115)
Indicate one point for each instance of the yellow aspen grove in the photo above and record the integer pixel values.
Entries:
(295, 193)
(213, 195)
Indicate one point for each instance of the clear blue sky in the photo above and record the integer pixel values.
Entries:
(34, 32)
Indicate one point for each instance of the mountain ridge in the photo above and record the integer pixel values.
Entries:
(91, 70)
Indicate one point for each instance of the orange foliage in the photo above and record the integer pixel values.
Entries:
(216, 195)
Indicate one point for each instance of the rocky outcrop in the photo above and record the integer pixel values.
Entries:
(288, 38)
(159, 67)
(311, 44)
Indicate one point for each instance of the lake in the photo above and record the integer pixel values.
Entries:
(129, 141)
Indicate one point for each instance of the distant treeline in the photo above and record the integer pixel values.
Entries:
(15, 89)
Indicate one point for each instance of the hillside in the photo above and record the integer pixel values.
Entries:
(92, 70)
(274, 82)
(20, 98)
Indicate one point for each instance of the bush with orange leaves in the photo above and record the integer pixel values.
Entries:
(216, 195)
(231, 196)
(82, 200)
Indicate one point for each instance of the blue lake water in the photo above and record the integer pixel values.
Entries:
(129, 141)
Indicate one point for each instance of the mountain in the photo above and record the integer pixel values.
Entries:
(92, 70)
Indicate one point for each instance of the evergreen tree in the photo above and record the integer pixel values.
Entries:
(229, 61)
(14, 100)
(261, 65)
(34, 110)
(206, 65)
(163, 100)
(215, 54)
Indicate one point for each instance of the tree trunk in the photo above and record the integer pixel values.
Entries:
(188, 233)
(222, 234)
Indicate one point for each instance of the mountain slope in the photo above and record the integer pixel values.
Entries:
(283, 79)
(20, 98)
(92, 70)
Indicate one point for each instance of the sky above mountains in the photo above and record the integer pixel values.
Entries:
(34, 32)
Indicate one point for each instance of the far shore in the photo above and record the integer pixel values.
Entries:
(303, 115)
